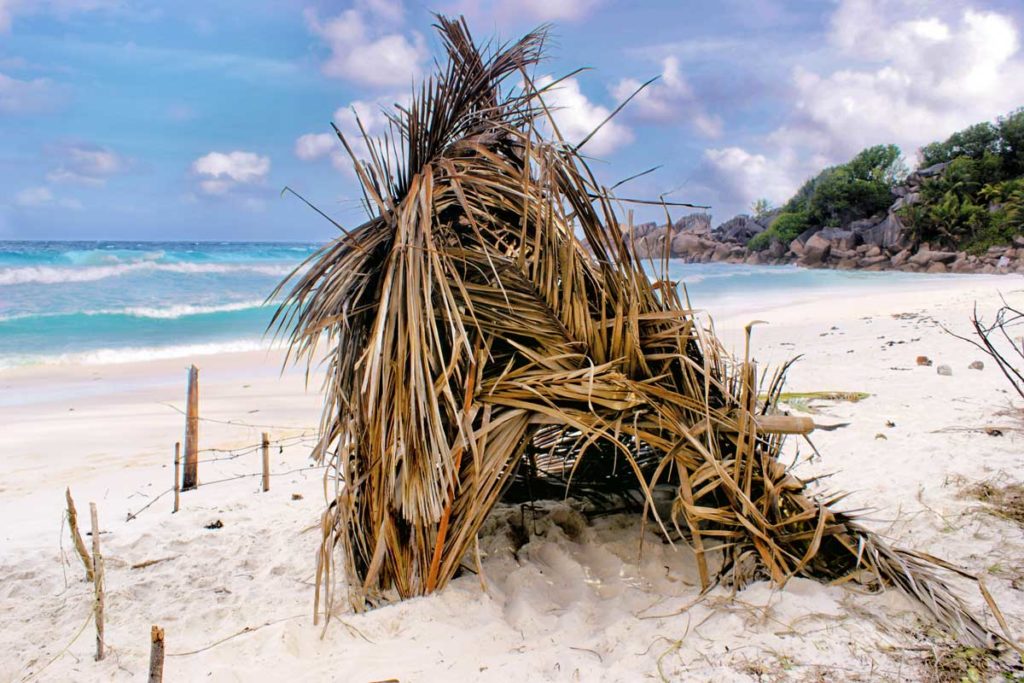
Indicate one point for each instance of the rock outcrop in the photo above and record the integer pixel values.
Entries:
(880, 242)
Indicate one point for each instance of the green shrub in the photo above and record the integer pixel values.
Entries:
(785, 228)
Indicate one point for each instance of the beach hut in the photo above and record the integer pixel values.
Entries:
(489, 331)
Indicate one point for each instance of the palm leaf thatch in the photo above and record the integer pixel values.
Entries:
(490, 328)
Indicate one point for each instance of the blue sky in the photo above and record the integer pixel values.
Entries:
(124, 119)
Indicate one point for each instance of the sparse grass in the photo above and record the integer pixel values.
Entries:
(950, 663)
(804, 401)
(1002, 499)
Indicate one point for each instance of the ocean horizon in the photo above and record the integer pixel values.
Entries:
(98, 302)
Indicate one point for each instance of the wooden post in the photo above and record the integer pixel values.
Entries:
(97, 564)
(266, 462)
(76, 535)
(156, 655)
(192, 432)
(177, 476)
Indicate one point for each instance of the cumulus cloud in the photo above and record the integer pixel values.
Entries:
(576, 117)
(86, 164)
(367, 46)
(26, 96)
(668, 100)
(908, 74)
(222, 172)
(35, 197)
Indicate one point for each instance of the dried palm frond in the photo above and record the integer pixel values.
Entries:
(490, 327)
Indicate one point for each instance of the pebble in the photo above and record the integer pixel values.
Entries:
(976, 365)
(944, 370)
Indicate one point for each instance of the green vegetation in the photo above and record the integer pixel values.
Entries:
(860, 188)
(975, 202)
(761, 208)
(978, 201)
(785, 228)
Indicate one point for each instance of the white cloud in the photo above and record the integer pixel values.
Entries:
(315, 146)
(507, 12)
(370, 113)
(906, 76)
(551, 10)
(35, 197)
(668, 100)
(576, 117)
(364, 50)
(221, 172)
(86, 164)
(28, 96)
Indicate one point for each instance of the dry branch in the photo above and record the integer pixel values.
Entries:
(76, 535)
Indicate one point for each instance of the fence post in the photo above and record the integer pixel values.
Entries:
(191, 479)
(97, 573)
(76, 536)
(156, 655)
(266, 462)
(177, 475)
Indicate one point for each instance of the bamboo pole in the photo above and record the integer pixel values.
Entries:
(266, 462)
(76, 535)
(177, 476)
(191, 480)
(156, 655)
(97, 563)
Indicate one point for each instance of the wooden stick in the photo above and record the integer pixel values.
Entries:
(266, 462)
(76, 536)
(783, 424)
(177, 476)
(191, 480)
(156, 655)
(97, 563)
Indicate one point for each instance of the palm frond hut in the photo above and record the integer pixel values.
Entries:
(489, 324)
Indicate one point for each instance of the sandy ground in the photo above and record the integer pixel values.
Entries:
(576, 602)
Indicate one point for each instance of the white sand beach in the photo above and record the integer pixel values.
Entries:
(577, 602)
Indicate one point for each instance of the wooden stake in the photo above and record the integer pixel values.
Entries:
(177, 476)
(266, 462)
(76, 536)
(156, 655)
(97, 563)
(192, 432)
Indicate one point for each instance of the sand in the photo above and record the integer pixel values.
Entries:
(576, 602)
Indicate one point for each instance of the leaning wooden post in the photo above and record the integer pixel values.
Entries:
(156, 655)
(97, 564)
(177, 475)
(192, 432)
(266, 462)
(76, 536)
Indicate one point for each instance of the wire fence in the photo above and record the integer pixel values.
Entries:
(306, 438)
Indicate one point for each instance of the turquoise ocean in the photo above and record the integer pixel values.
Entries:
(99, 302)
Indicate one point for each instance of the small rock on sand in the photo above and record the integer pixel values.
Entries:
(944, 370)
(924, 360)
(976, 365)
